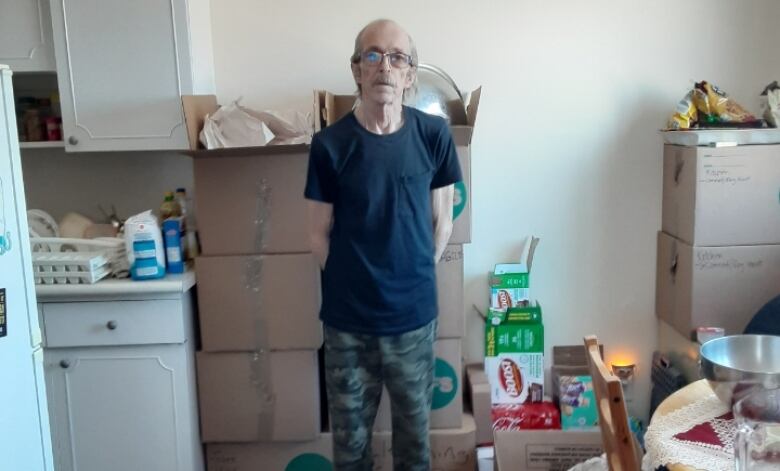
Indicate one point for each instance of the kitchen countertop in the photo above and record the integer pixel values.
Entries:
(169, 287)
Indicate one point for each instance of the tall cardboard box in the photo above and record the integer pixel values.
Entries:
(269, 396)
(553, 450)
(722, 196)
(479, 395)
(329, 108)
(447, 405)
(714, 286)
(259, 302)
(449, 287)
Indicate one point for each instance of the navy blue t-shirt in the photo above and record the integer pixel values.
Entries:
(380, 275)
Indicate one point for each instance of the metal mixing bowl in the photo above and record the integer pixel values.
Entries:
(739, 364)
(438, 95)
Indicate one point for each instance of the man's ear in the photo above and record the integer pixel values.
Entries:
(411, 75)
(356, 72)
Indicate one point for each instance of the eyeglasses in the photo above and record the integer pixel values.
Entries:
(399, 60)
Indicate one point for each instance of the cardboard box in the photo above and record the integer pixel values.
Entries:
(449, 287)
(259, 302)
(572, 387)
(252, 204)
(479, 395)
(447, 406)
(247, 397)
(515, 376)
(451, 449)
(722, 196)
(329, 108)
(514, 330)
(313, 455)
(554, 450)
(577, 402)
(510, 283)
(713, 286)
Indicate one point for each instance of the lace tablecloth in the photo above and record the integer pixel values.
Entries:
(699, 435)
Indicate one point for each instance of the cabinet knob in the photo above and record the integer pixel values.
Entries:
(73, 140)
(65, 363)
(111, 325)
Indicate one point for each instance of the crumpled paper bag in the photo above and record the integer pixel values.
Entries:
(234, 125)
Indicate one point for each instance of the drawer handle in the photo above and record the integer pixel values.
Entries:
(64, 363)
(112, 325)
(73, 140)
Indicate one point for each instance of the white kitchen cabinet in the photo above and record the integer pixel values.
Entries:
(122, 67)
(26, 36)
(120, 378)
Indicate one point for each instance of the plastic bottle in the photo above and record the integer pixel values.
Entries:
(189, 238)
(170, 213)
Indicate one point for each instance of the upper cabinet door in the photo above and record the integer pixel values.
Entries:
(122, 67)
(25, 36)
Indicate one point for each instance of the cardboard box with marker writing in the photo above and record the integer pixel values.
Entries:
(451, 450)
(723, 196)
(713, 286)
(329, 108)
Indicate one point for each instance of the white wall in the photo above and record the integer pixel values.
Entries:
(566, 144)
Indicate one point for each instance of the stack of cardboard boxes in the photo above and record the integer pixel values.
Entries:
(259, 296)
(511, 411)
(719, 248)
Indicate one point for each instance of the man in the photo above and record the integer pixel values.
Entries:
(380, 185)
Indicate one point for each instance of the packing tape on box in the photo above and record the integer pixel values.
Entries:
(262, 211)
(253, 275)
(260, 366)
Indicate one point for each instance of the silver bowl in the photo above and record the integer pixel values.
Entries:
(737, 365)
(438, 95)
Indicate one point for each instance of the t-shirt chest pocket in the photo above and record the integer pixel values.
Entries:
(414, 191)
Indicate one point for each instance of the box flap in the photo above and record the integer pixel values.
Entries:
(471, 109)
(195, 108)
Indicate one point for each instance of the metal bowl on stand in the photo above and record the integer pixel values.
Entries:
(438, 95)
(737, 365)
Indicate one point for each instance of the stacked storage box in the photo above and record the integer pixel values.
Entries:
(719, 249)
(259, 297)
(452, 432)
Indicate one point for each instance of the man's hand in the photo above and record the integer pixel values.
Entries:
(441, 204)
(320, 224)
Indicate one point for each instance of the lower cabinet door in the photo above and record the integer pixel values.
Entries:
(118, 408)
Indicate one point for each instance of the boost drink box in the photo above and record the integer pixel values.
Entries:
(514, 354)
(510, 282)
(515, 378)
(514, 330)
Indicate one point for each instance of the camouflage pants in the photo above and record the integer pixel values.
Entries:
(356, 367)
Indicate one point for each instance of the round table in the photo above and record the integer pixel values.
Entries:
(681, 398)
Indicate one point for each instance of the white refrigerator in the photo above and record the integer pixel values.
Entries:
(25, 441)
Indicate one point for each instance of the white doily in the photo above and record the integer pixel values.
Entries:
(664, 448)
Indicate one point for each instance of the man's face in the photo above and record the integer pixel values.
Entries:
(383, 83)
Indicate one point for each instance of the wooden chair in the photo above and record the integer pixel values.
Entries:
(621, 448)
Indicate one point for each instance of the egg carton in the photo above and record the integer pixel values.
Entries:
(111, 248)
(70, 267)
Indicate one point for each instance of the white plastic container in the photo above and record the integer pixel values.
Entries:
(145, 250)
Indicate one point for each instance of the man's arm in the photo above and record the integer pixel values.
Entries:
(441, 203)
(320, 223)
